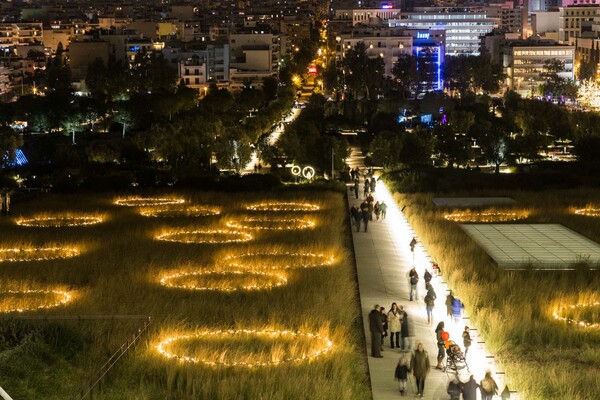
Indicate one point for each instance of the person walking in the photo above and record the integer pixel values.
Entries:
(488, 385)
(429, 303)
(401, 373)
(404, 329)
(394, 324)
(449, 302)
(413, 277)
(383, 208)
(356, 216)
(427, 276)
(377, 210)
(457, 307)
(454, 389)
(366, 189)
(384, 321)
(373, 184)
(469, 389)
(441, 345)
(376, 328)
(370, 203)
(412, 245)
(356, 189)
(420, 366)
(466, 335)
(364, 209)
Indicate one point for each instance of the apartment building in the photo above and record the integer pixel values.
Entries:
(20, 34)
(575, 21)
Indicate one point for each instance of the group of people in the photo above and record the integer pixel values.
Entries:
(487, 387)
(364, 213)
(395, 325)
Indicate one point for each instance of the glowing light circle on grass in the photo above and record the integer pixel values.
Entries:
(217, 236)
(37, 254)
(326, 346)
(59, 221)
(192, 211)
(61, 299)
(296, 170)
(233, 280)
(584, 324)
(280, 224)
(283, 206)
(148, 201)
(302, 260)
(486, 217)
(588, 212)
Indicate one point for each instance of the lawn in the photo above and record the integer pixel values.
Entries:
(544, 357)
(245, 303)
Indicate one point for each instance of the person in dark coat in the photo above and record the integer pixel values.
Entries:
(419, 365)
(356, 216)
(441, 345)
(364, 209)
(376, 328)
(404, 329)
(401, 373)
(469, 389)
(449, 302)
(466, 335)
(454, 389)
(384, 321)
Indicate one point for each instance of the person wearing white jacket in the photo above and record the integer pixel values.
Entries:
(394, 325)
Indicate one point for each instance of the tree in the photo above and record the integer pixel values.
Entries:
(232, 150)
(269, 88)
(72, 123)
(384, 149)
(554, 84)
(406, 73)
(464, 73)
(10, 141)
(364, 75)
(451, 146)
(125, 117)
(494, 143)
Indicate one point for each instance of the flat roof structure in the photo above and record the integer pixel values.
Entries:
(466, 202)
(543, 246)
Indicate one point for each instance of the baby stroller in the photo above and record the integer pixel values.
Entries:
(455, 359)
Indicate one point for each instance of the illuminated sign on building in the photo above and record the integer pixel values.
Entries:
(387, 6)
(422, 35)
(312, 69)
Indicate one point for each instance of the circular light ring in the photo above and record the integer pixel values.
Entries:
(235, 284)
(557, 315)
(59, 221)
(148, 201)
(283, 206)
(63, 298)
(311, 260)
(280, 224)
(37, 254)
(205, 236)
(192, 211)
(327, 345)
(588, 212)
(486, 217)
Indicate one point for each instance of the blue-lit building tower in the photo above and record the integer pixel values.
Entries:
(428, 49)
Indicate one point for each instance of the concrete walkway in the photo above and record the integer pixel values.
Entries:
(383, 260)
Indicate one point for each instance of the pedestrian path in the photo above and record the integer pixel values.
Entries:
(383, 261)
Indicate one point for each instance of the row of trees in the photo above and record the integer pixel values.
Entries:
(512, 131)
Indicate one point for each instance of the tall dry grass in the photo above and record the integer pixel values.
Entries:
(544, 358)
(119, 273)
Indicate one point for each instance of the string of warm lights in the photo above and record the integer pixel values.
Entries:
(283, 206)
(59, 221)
(588, 212)
(280, 224)
(63, 298)
(37, 253)
(147, 201)
(277, 279)
(557, 315)
(192, 211)
(205, 236)
(314, 260)
(327, 345)
(486, 217)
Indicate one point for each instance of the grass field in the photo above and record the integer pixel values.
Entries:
(119, 270)
(544, 357)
